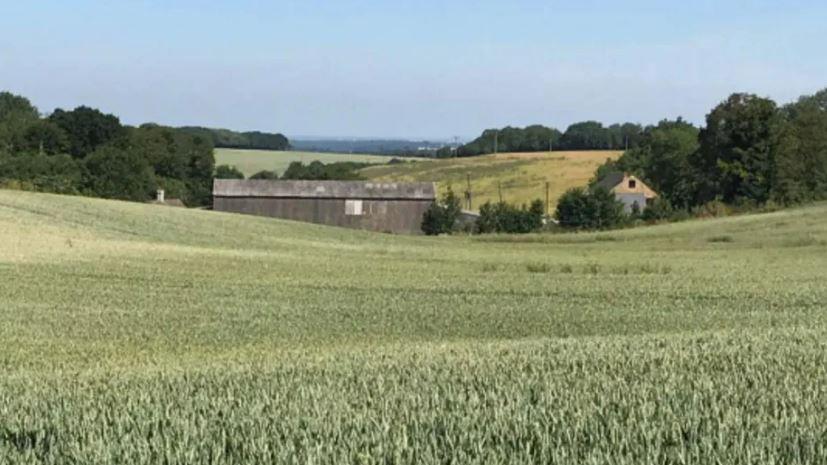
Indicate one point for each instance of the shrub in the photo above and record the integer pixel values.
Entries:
(505, 218)
(441, 217)
(228, 172)
(583, 209)
(264, 174)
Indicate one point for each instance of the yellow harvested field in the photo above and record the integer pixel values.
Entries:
(522, 177)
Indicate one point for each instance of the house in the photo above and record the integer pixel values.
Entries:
(628, 189)
(375, 206)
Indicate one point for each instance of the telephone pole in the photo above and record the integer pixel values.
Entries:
(496, 140)
(468, 190)
(548, 207)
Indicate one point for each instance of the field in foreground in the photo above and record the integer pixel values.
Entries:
(144, 334)
(251, 162)
(522, 176)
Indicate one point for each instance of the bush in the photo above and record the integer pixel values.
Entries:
(59, 174)
(441, 217)
(228, 172)
(595, 209)
(504, 218)
(267, 175)
(658, 209)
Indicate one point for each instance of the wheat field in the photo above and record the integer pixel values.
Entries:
(145, 334)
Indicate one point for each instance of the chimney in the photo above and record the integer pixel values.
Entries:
(159, 196)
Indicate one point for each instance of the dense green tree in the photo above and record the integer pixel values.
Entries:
(735, 160)
(801, 159)
(587, 135)
(441, 217)
(318, 171)
(16, 115)
(589, 209)
(59, 174)
(44, 136)
(115, 173)
(87, 129)
(228, 172)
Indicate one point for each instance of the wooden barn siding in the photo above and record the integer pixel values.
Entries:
(396, 216)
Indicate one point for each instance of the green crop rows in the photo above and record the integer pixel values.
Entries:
(144, 334)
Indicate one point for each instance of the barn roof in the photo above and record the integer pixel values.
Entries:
(323, 189)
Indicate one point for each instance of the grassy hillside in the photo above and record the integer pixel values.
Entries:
(253, 161)
(144, 334)
(523, 176)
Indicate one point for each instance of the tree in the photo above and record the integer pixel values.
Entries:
(588, 135)
(115, 173)
(60, 174)
(264, 174)
(16, 115)
(735, 160)
(44, 136)
(441, 217)
(87, 129)
(228, 172)
(589, 209)
(801, 159)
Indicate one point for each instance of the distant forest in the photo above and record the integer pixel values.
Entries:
(587, 135)
(254, 140)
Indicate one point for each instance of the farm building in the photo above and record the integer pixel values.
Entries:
(628, 189)
(385, 207)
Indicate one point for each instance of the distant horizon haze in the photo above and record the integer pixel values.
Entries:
(415, 70)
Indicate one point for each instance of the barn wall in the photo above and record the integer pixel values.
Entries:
(397, 216)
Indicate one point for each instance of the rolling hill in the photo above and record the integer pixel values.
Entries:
(521, 177)
(146, 334)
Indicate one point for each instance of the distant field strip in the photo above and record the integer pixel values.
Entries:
(521, 177)
(250, 162)
(146, 334)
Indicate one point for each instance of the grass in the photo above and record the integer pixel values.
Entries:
(250, 162)
(142, 334)
(522, 176)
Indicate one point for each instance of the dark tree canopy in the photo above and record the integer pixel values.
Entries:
(589, 209)
(225, 138)
(87, 129)
(735, 159)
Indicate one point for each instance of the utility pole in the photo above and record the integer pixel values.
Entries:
(550, 145)
(468, 190)
(496, 140)
(627, 143)
(500, 190)
(548, 207)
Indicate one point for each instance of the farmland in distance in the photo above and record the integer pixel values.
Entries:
(520, 177)
(144, 334)
(250, 162)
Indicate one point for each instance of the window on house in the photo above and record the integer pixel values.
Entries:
(632, 184)
(353, 207)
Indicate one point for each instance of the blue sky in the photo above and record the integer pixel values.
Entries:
(407, 68)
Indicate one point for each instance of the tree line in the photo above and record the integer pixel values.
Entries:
(586, 135)
(750, 152)
(85, 151)
(253, 140)
(313, 171)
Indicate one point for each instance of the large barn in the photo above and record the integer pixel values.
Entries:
(384, 207)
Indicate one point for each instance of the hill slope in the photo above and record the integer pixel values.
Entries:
(250, 162)
(144, 333)
(522, 176)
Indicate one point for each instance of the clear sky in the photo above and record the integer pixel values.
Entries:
(423, 68)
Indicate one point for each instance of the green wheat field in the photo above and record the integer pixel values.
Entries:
(140, 334)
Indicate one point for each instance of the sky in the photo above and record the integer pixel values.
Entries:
(411, 69)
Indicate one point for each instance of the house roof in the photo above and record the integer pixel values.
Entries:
(618, 183)
(323, 189)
